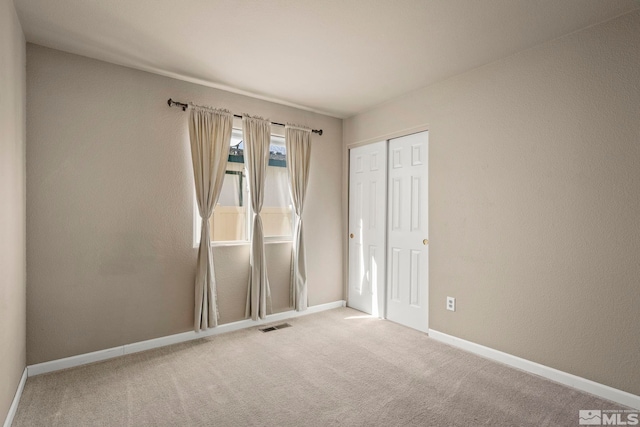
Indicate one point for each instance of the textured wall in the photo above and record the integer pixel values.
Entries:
(534, 208)
(12, 205)
(109, 208)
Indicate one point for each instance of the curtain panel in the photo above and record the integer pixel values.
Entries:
(298, 143)
(256, 134)
(210, 135)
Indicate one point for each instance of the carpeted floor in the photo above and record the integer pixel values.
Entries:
(335, 368)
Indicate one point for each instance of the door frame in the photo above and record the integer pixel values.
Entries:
(346, 161)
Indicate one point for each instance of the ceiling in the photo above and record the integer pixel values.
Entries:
(337, 57)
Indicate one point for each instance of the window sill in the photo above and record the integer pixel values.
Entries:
(235, 243)
(278, 240)
(229, 243)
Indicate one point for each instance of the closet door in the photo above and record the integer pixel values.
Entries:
(367, 227)
(408, 228)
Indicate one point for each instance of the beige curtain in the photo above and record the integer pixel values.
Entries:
(257, 136)
(210, 135)
(298, 141)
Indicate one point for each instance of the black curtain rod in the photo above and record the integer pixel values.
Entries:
(184, 107)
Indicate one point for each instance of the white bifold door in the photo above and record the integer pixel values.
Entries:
(367, 227)
(408, 228)
(388, 226)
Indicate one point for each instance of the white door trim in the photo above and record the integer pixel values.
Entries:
(387, 136)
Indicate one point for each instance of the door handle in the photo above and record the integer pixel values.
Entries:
(351, 235)
(425, 242)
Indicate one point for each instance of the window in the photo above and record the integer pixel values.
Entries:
(233, 217)
(277, 211)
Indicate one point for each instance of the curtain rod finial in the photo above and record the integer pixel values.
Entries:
(171, 103)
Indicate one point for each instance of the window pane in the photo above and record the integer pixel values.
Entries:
(277, 210)
(229, 219)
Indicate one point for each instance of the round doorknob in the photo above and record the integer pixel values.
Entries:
(425, 242)
(351, 235)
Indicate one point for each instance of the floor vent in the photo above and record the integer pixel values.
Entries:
(275, 327)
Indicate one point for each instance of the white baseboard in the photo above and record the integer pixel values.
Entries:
(227, 327)
(16, 400)
(96, 356)
(583, 384)
(70, 362)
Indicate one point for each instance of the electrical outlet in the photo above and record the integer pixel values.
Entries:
(451, 304)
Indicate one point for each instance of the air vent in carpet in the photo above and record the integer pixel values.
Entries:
(275, 327)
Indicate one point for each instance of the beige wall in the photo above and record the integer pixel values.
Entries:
(109, 208)
(534, 200)
(12, 205)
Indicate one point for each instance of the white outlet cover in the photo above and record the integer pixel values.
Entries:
(451, 304)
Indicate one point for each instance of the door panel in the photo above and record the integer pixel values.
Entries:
(367, 227)
(407, 294)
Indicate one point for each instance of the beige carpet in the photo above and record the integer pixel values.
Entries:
(333, 368)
